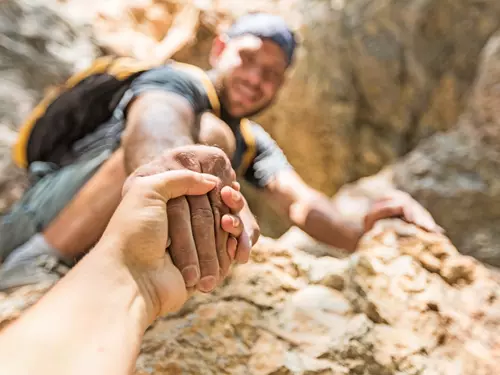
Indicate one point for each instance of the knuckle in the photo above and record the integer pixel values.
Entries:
(202, 214)
(181, 257)
(187, 159)
(177, 206)
(207, 259)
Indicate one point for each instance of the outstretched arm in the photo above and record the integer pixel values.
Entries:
(312, 211)
(317, 215)
(157, 121)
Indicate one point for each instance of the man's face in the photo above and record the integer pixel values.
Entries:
(252, 70)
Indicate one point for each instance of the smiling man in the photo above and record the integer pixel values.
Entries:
(162, 113)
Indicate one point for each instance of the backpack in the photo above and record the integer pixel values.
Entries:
(85, 101)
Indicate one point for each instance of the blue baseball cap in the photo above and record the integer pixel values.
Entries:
(266, 26)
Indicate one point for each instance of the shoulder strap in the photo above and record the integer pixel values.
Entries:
(251, 150)
(121, 68)
(207, 83)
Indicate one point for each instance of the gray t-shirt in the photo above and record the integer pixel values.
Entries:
(268, 159)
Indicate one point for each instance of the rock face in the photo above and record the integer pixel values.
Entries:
(374, 78)
(38, 48)
(455, 174)
(406, 303)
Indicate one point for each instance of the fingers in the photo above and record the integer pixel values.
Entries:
(221, 237)
(233, 199)
(203, 228)
(243, 249)
(232, 225)
(232, 245)
(182, 248)
(382, 210)
(236, 186)
(173, 184)
(406, 208)
(419, 216)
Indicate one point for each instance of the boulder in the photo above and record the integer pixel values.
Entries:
(456, 174)
(39, 48)
(406, 303)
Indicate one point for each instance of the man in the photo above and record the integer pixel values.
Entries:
(161, 111)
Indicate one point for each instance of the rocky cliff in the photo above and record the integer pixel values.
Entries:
(39, 47)
(456, 174)
(406, 303)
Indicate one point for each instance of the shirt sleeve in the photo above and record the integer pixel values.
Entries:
(168, 79)
(269, 159)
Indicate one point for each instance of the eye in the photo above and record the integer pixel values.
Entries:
(247, 57)
(271, 75)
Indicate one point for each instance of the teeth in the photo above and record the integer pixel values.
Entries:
(246, 91)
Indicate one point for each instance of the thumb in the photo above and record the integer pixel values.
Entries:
(173, 184)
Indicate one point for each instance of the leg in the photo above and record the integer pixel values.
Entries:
(32, 259)
(43, 202)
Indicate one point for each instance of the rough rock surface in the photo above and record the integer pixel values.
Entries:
(406, 303)
(39, 47)
(373, 79)
(456, 174)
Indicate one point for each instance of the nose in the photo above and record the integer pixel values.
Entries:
(254, 76)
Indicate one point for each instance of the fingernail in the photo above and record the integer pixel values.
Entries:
(236, 221)
(232, 253)
(190, 275)
(236, 196)
(207, 284)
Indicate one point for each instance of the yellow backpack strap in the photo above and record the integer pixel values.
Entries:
(121, 68)
(251, 151)
(19, 150)
(207, 84)
(124, 67)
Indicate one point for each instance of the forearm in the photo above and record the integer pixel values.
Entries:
(318, 217)
(91, 322)
(157, 122)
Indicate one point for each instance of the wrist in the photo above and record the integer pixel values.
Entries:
(143, 305)
(157, 284)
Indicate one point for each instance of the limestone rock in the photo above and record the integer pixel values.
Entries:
(455, 174)
(373, 78)
(394, 316)
(39, 47)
